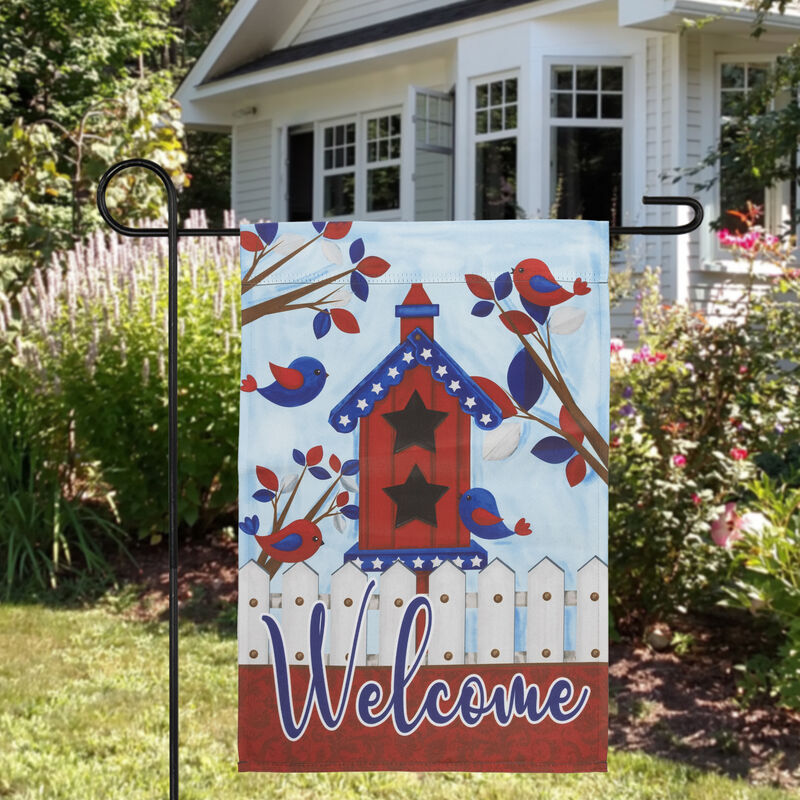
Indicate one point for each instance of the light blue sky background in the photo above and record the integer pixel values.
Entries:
(569, 524)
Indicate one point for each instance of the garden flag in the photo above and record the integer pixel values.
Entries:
(423, 467)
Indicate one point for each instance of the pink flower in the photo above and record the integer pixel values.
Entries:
(696, 499)
(617, 345)
(726, 528)
(739, 453)
(679, 460)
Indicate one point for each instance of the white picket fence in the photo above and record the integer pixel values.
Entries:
(496, 601)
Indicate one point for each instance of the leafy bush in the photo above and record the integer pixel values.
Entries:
(92, 336)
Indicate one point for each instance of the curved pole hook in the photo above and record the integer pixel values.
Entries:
(666, 230)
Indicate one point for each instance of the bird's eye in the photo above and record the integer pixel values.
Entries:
(520, 269)
(315, 538)
(469, 497)
(317, 371)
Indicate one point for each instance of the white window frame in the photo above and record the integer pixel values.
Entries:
(475, 137)
(359, 167)
(625, 124)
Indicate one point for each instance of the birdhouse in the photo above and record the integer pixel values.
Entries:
(415, 412)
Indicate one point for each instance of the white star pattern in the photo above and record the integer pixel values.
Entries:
(470, 402)
(426, 353)
(408, 358)
(476, 561)
(358, 562)
(417, 562)
(377, 563)
(377, 388)
(344, 421)
(393, 373)
(362, 404)
(458, 561)
(441, 370)
(485, 419)
(455, 386)
(436, 562)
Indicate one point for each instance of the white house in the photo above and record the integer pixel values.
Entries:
(443, 109)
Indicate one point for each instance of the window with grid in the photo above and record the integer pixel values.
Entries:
(338, 169)
(383, 163)
(495, 134)
(736, 80)
(586, 131)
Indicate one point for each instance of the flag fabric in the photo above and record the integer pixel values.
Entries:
(423, 496)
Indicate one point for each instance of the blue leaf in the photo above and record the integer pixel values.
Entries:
(350, 467)
(525, 380)
(503, 285)
(250, 525)
(482, 308)
(553, 450)
(351, 512)
(264, 495)
(539, 313)
(321, 324)
(359, 285)
(357, 251)
(299, 458)
(267, 231)
(320, 473)
(318, 226)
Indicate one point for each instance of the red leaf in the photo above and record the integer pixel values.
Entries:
(342, 498)
(249, 384)
(576, 470)
(251, 242)
(314, 456)
(335, 464)
(568, 425)
(344, 320)
(372, 266)
(480, 287)
(517, 322)
(503, 401)
(337, 230)
(267, 478)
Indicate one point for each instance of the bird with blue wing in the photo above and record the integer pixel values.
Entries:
(478, 510)
(297, 541)
(539, 290)
(295, 385)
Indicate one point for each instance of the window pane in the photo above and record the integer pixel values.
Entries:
(351, 155)
(383, 189)
(736, 186)
(372, 151)
(612, 79)
(587, 175)
(732, 76)
(481, 122)
(328, 159)
(421, 105)
(511, 116)
(481, 96)
(394, 148)
(394, 126)
(338, 194)
(339, 131)
(562, 78)
(496, 179)
(586, 77)
(731, 102)
(328, 137)
(611, 105)
(496, 119)
(586, 106)
(371, 128)
(339, 160)
(496, 94)
(511, 90)
(383, 150)
(756, 75)
(351, 132)
(561, 104)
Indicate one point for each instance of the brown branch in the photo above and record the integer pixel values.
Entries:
(246, 287)
(285, 511)
(318, 505)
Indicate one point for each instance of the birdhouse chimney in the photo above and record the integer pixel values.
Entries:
(416, 311)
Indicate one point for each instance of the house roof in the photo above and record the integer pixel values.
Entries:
(412, 23)
(416, 350)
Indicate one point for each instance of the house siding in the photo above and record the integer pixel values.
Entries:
(433, 181)
(252, 170)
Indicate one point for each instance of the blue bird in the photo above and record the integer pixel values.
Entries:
(478, 511)
(295, 385)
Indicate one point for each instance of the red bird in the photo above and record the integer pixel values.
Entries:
(539, 290)
(298, 541)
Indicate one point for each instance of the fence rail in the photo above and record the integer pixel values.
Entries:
(496, 602)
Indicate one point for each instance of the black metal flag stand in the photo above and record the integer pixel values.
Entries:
(173, 232)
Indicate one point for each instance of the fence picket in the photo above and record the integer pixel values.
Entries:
(496, 614)
(591, 641)
(253, 602)
(347, 589)
(300, 592)
(398, 586)
(447, 591)
(545, 627)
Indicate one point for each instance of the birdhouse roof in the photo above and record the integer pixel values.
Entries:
(416, 350)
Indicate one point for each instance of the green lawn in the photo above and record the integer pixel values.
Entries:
(84, 696)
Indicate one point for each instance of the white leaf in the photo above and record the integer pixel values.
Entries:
(289, 482)
(349, 482)
(340, 522)
(288, 243)
(341, 297)
(566, 320)
(331, 251)
(502, 442)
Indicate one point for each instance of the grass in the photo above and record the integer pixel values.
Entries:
(83, 698)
